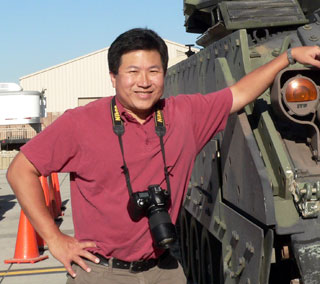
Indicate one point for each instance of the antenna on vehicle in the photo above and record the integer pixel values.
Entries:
(189, 52)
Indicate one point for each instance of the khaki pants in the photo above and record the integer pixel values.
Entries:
(171, 274)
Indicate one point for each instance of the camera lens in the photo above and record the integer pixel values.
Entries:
(162, 230)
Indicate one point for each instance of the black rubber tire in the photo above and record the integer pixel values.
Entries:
(211, 259)
(185, 241)
(195, 253)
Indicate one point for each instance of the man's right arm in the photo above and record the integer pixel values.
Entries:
(249, 87)
(23, 178)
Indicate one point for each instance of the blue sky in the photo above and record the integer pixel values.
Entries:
(36, 34)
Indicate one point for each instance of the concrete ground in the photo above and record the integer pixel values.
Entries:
(48, 271)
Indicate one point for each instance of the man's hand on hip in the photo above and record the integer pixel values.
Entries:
(67, 249)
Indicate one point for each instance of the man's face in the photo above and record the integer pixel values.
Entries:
(139, 82)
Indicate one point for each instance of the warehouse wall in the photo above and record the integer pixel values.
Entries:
(86, 76)
(83, 79)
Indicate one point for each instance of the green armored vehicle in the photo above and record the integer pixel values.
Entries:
(251, 213)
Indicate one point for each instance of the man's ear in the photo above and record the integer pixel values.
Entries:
(113, 79)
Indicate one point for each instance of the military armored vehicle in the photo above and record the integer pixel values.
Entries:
(251, 212)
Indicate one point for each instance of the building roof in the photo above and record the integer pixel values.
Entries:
(168, 42)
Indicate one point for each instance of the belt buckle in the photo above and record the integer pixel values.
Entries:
(137, 266)
(104, 261)
(131, 268)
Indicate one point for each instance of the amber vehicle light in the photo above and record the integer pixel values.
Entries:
(301, 90)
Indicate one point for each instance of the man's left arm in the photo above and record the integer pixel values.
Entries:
(255, 83)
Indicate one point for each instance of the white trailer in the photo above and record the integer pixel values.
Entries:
(20, 114)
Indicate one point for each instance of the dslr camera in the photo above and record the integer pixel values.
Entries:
(154, 203)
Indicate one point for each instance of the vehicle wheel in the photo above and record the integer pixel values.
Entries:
(195, 261)
(185, 241)
(211, 259)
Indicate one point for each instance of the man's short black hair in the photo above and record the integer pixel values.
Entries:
(136, 39)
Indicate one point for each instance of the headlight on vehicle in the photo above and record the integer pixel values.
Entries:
(295, 104)
(300, 95)
(295, 94)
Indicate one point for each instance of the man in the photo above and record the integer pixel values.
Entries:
(83, 142)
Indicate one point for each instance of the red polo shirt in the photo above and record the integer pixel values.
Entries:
(82, 142)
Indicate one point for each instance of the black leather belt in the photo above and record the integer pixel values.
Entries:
(134, 266)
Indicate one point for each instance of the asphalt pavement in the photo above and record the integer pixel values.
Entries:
(48, 271)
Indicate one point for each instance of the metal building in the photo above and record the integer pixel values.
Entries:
(83, 79)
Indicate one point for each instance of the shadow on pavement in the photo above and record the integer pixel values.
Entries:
(59, 220)
(64, 203)
(7, 202)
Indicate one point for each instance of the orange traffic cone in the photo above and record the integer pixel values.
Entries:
(26, 244)
(54, 184)
(47, 194)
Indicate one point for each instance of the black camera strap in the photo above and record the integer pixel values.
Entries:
(118, 129)
(161, 131)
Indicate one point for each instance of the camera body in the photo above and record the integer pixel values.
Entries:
(154, 203)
